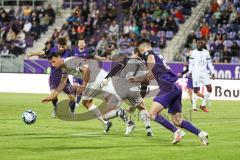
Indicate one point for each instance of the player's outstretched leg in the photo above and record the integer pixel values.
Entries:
(145, 118)
(93, 108)
(155, 116)
(178, 121)
(120, 112)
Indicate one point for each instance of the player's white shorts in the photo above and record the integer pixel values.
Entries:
(93, 87)
(200, 77)
(125, 91)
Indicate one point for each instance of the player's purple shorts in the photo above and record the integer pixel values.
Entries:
(170, 99)
(55, 81)
(189, 83)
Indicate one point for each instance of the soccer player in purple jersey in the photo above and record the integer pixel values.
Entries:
(86, 53)
(91, 79)
(170, 94)
(55, 77)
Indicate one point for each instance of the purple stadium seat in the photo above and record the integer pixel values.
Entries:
(169, 34)
(234, 60)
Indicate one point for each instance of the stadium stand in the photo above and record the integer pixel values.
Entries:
(220, 28)
(20, 28)
(112, 26)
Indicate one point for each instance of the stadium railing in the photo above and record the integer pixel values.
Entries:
(11, 64)
(18, 3)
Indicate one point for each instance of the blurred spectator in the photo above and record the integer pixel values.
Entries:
(205, 31)
(5, 51)
(235, 49)
(226, 56)
(11, 36)
(51, 14)
(73, 36)
(21, 26)
(26, 12)
(27, 26)
(44, 22)
(101, 45)
(171, 25)
(191, 37)
(220, 28)
(127, 27)
(114, 28)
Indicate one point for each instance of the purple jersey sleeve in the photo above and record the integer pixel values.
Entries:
(161, 71)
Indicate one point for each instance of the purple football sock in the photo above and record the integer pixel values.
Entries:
(78, 98)
(191, 128)
(163, 121)
(54, 102)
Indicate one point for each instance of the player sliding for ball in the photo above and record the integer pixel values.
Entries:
(170, 94)
(92, 77)
(55, 79)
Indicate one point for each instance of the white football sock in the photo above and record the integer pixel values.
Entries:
(111, 114)
(146, 119)
(194, 100)
(97, 113)
(206, 98)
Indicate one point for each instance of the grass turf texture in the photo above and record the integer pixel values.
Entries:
(50, 138)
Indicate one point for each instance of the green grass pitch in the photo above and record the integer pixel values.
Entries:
(53, 139)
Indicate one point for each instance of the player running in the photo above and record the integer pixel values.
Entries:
(189, 81)
(126, 90)
(92, 78)
(200, 60)
(170, 94)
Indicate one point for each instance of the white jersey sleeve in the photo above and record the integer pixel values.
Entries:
(191, 62)
(209, 63)
(72, 66)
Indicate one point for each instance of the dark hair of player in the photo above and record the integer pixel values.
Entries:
(143, 40)
(62, 41)
(54, 54)
(137, 51)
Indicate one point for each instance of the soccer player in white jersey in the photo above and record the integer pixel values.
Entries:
(93, 76)
(200, 61)
(125, 90)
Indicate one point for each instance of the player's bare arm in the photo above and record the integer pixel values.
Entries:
(210, 66)
(99, 58)
(86, 74)
(37, 53)
(54, 94)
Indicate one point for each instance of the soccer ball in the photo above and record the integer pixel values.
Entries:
(29, 117)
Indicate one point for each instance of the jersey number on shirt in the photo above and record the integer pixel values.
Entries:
(164, 62)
